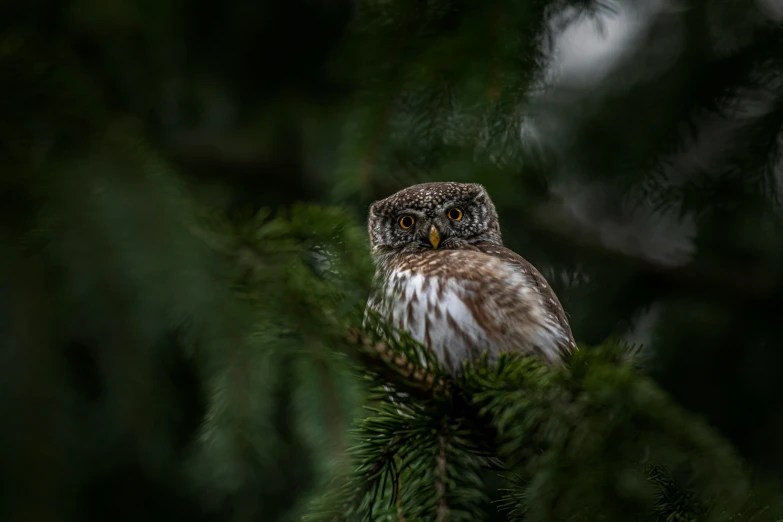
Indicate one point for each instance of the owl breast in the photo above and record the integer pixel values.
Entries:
(462, 303)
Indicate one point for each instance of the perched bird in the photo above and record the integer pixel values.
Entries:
(444, 276)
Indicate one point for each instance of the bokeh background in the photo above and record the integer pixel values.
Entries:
(633, 150)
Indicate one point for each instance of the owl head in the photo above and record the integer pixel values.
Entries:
(431, 216)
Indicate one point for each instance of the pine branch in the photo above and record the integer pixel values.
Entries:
(400, 516)
(399, 369)
(551, 428)
(562, 428)
(441, 479)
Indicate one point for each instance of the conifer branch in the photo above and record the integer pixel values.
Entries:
(400, 516)
(441, 479)
(398, 369)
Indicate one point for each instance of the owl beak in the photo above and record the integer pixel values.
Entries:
(434, 237)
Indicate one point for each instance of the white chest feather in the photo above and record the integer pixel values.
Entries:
(459, 318)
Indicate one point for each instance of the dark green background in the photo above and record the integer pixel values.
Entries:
(122, 122)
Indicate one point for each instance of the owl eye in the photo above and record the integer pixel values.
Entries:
(407, 221)
(455, 214)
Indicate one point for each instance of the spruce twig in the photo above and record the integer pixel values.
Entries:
(441, 479)
(398, 369)
(400, 516)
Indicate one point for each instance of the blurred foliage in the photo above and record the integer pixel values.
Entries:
(182, 187)
(137, 384)
(523, 441)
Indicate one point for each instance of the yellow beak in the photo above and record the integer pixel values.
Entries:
(434, 237)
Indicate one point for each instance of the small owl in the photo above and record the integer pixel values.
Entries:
(444, 276)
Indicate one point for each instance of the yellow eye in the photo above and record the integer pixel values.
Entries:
(455, 214)
(407, 221)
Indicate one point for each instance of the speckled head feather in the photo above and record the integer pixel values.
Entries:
(444, 276)
(429, 205)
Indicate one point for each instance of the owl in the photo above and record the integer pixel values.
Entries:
(444, 277)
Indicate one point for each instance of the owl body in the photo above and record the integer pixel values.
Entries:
(444, 277)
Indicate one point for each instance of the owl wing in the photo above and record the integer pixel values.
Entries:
(551, 302)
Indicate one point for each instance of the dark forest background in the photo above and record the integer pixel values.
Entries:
(171, 171)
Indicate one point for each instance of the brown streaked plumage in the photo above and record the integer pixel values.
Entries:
(444, 276)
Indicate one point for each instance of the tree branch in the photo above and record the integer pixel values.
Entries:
(397, 369)
(441, 480)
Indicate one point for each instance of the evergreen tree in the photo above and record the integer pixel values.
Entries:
(184, 265)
